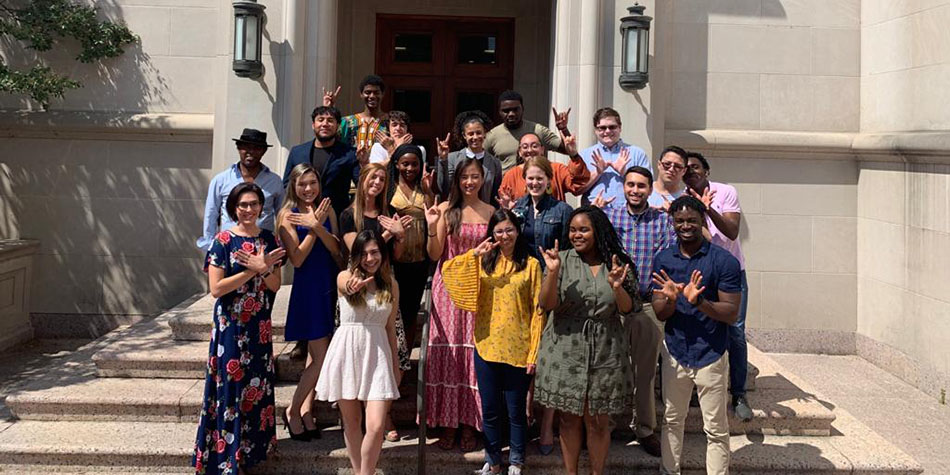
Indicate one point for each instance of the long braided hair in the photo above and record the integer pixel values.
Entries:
(607, 245)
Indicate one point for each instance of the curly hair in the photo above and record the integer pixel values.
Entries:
(607, 245)
(688, 202)
(465, 118)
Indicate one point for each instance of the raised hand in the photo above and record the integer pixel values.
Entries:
(384, 139)
(393, 225)
(308, 220)
(329, 97)
(433, 213)
(362, 155)
(258, 261)
(485, 246)
(620, 164)
(599, 162)
(403, 140)
(570, 144)
(668, 288)
(694, 288)
(322, 211)
(560, 118)
(406, 221)
(354, 284)
(552, 260)
(427, 178)
(666, 204)
(600, 202)
(706, 197)
(504, 199)
(617, 273)
(443, 147)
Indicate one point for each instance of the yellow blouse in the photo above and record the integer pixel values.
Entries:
(414, 249)
(508, 319)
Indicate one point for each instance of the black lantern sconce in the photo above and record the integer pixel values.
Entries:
(248, 30)
(635, 33)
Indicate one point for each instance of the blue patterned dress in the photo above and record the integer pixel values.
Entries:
(237, 415)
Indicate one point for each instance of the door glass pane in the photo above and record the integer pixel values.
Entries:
(413, 48)
(477, 49)
(416, 103)
(483, 101)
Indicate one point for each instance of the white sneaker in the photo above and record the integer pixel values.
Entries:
(486, 470)
(514, 470)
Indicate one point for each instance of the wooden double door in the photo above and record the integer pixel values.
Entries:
(436, 67)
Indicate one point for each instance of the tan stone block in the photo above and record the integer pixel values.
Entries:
(184, 85)
(809, 199)
(887, 46)
(836, 51)
(837, 103)
(809, 301)
(689, 45)
(151, 26)
(931, 39)
(732, 100)
(687, 106)
(884, 101)
(754, 309)
(835, 244)
(881, 194)
(884, 311)
(750, 197)
(124, 277)
(66, 284)
(932, 319)
(882, 251)
(787, 102)
(759, 49)
(928, 203)
(778, 243)
(842, 13)
(930, 92)
(704, 11)
(928, 253)
(194, 31)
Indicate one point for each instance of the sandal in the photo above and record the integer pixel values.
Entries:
(447, 439)
(392, 436)
(469, 442)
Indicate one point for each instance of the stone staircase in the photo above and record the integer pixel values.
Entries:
(128, 403)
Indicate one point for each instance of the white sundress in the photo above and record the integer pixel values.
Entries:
(359, 361)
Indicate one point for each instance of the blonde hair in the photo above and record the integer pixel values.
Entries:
(291, 200)
(359, 202)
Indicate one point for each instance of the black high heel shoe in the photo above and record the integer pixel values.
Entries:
(301, 436)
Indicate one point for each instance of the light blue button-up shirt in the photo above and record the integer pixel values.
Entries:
(222, 184)
(610, 182)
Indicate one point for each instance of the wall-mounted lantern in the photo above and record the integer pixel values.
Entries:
(248, 30)
(635, 33)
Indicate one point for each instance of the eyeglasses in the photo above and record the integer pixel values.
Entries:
(502, 232)
(249, 204)
(604, 128)
(672, 165)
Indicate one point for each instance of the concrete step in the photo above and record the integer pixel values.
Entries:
(782, 412)
(149, 447)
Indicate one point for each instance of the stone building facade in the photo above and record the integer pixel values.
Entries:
(828, 117)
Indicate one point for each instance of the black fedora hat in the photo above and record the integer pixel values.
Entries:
(254, 137)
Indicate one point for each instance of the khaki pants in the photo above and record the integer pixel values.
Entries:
(712, 387)
(645, 332)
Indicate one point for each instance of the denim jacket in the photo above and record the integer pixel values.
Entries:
(550, 223)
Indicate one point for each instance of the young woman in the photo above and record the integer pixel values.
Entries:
(239, 384)
(584, 370)
(470, 129)
(308, 232)
(544, 220)
(370, 206)
(409, 194)
(455, 226)
(361, 362)
(501, 283)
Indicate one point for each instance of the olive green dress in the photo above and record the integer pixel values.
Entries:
(584, 352)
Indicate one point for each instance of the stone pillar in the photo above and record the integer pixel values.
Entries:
(587, 58)
(16, 275)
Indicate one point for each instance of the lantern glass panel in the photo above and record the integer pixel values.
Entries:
(252, 49)
(643, 55)
(630, 49)
(239, 25)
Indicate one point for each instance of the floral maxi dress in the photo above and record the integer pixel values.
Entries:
(236, 424)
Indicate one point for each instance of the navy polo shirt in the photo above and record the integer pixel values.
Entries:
(694, 339)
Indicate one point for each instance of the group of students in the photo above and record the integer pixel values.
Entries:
(532, 301)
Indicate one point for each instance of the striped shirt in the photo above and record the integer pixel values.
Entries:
(642, 236)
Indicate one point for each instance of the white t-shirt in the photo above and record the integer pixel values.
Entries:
(379, 154)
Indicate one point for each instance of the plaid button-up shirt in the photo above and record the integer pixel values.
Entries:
(642, 236)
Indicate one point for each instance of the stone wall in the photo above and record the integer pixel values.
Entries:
(903, 319)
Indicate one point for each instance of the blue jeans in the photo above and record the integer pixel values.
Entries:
(501, 384)
(738, 353)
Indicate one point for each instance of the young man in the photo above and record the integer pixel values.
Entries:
(359, 130)
(567, 178)
(609, 159)
(697, 289)
(503, 139)
(643, 231)
(669, 186)
(398, 126)
(251, 147)
(723, 216)
(337, 162)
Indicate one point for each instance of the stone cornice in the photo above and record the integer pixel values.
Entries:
(107, 126)
(914, 147)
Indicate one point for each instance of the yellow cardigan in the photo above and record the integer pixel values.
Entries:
(508, 319)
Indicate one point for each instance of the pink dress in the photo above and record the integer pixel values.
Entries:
(451, 390)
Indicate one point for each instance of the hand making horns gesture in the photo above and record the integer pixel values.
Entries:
(355, 284)
(552, 260)
(617, 273)
(485, 246)
(443, 147)
(329, 97)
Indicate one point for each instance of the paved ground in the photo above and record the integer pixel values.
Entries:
(911, 420)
